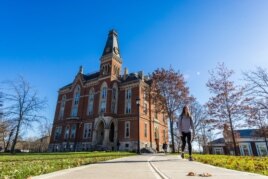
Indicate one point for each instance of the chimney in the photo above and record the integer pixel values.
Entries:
(125, 73)
(140, 74)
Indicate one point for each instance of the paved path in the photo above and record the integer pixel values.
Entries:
(157, 166)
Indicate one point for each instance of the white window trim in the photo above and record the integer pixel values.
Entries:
(248, 147)
(104, 85)
(56, 129)
(115, 101)
(258, 148)
(91, 93)
(76, 106)
(146, 129)
(65, 131)
(217, 148)
(128, 101)
(145, 107)
(62, 107)
(72, 131)
(86, 131)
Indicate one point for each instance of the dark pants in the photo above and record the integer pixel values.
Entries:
(183, 139)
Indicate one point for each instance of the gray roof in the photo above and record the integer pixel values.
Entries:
(218, 141)
(112, 44)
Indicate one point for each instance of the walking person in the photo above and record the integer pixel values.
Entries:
(118, 144)
(165, 147)
(185, 124)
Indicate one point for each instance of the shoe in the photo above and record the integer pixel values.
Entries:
(182, 155)
(191, 159)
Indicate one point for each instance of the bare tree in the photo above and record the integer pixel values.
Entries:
(258, 117)
(257, 86)
(45, 128)
(169, 93)
(198, 115)
(2, 125)
(24, 106)
(228, 103)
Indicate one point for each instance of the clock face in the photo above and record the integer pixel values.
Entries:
(116, 50)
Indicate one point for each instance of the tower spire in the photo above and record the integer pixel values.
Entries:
(112, 46)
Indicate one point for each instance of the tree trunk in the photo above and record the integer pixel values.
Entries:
(172, 134)
(265, 139)
(233, 135)
(4, 142)
(9, 138)
(16, 137)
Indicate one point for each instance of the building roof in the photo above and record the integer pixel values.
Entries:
(218, 141)
(129, 78)
(247, 133)
(91, 76)
(243, 133)
(112, 44)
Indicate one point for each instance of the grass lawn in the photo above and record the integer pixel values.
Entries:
(24, 165)
(242, 163)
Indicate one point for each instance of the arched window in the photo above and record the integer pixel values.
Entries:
(62, 106)
(103, 97)
(114, 98)
(91, 102)
(76, 101)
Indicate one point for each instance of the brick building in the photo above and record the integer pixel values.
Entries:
(98, 111)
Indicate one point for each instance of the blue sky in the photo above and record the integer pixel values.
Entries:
(46, 41)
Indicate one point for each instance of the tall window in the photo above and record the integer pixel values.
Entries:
(76, 101)
(103, 98)
(87, 130)
(67, 132)
(145, 107)
(73, 131)
(127, 129)
(57, 133)
(164, 117)
(145, 129)
(90, 102)
(261, 149)
(114, 99)
(155, 114)
(128, 101)
(245, 149)
(62, 106)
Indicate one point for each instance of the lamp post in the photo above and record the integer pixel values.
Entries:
(138, 109)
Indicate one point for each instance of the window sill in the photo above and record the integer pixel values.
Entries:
(72, 117)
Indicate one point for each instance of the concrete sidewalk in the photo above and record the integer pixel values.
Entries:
(148, 166)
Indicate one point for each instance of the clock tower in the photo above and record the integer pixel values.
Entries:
(111, 61)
